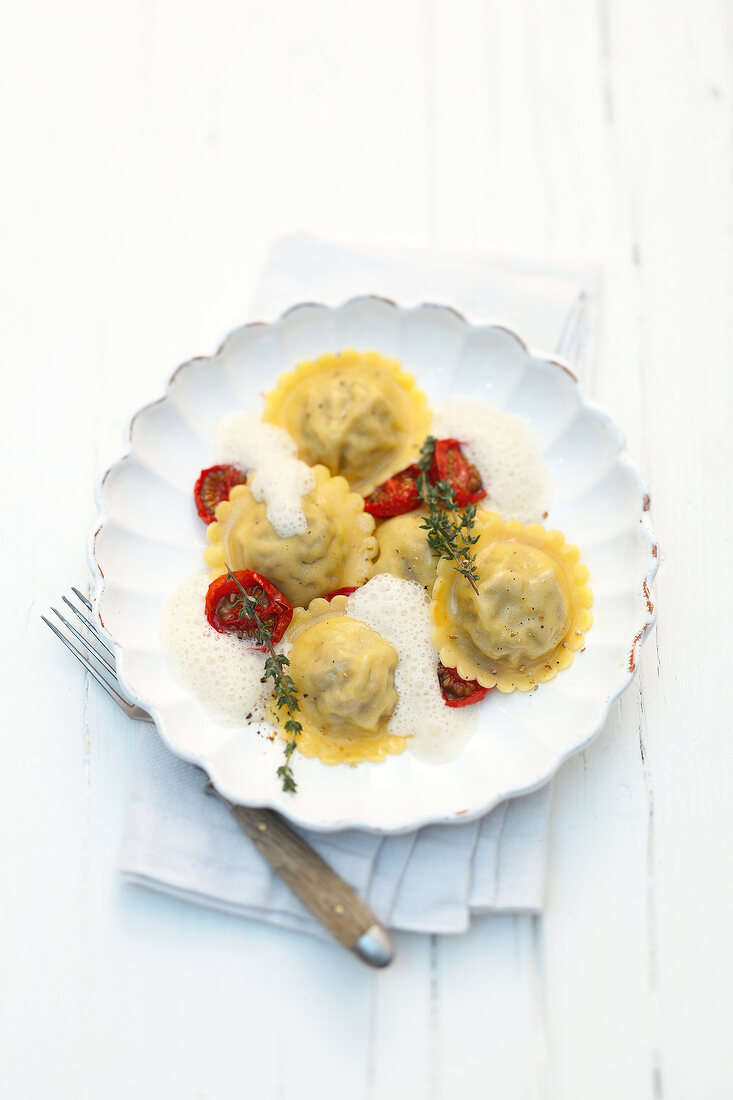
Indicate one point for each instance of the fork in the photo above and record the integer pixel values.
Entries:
(319, 888)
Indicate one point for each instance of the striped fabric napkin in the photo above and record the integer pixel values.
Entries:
(433, 880)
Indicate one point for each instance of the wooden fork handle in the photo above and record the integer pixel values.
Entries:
(317, 885)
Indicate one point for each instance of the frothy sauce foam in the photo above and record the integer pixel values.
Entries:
(505, 451)
(218, 668)
(398, 610)
(281, 480)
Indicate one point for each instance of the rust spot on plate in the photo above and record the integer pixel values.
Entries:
(647, 596)
(295, 309)
(632, 654)
(448, 309)
(177, 371)
(655, 550)
(225, 341)
(150, 405)
(567, 370)
(646, 503)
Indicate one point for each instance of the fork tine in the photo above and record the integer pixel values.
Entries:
(82, 597)
(90, 649)
(87, 664)
(90, 624)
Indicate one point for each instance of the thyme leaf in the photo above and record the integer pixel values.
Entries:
(449, 529)
(284, 690)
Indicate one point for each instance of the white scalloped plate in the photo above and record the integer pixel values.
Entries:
(149, 536)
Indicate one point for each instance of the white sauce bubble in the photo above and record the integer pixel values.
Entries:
(220, 671)
(281, 479)
(505, 450)
(398, 610)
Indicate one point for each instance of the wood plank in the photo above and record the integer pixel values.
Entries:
(676, 100)
(489, 1038)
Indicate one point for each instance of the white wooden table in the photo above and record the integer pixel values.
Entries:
(152, 152)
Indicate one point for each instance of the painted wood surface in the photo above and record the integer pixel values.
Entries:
(152, 151)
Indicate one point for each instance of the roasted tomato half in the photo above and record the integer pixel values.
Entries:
(226, 609)
(342, 591)
(213, 486)
(449, 464)
(397, 495)
(458, 692)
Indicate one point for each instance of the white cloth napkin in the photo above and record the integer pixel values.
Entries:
(182, 842)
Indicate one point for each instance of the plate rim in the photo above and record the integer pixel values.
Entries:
(645, 623)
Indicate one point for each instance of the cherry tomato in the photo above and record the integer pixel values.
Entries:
(342, 592)
(449, 464)
(458, 692)
(213, 486)
(226, 611)
(397, 495)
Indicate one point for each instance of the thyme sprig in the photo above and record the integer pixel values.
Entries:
(450, 529)
(283, 689)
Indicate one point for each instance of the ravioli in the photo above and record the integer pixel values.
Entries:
(345, 673)
(404, 550)
(358, 413)
(334, 551)
(531, 612)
